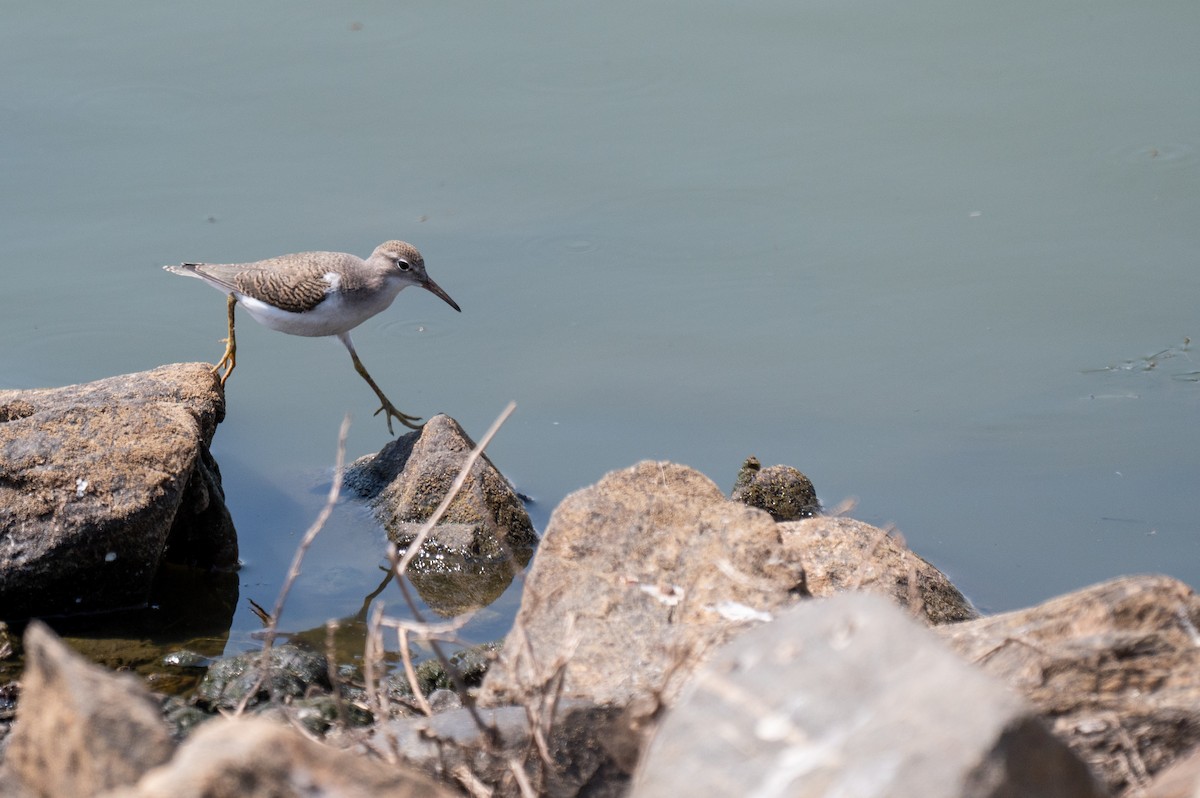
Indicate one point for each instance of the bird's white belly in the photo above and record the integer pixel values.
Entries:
(332, 316)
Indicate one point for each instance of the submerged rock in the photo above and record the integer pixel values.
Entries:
(289, 672)
(100, 482)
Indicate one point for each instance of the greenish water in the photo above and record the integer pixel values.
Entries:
(923, 252)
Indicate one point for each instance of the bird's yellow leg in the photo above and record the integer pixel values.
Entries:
(229, 359)
(386, 407)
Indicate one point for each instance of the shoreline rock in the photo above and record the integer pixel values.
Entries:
(101, 482)
(673, 633)
(485, 537)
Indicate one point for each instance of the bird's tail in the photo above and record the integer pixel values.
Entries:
(188, 269)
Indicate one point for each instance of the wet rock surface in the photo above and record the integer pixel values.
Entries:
(245, 680)
(408, 478)
(100, 482)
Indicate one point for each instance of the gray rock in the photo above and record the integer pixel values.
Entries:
(1115, 668)
(841, 554)
(408, 478)
(99, 482)
(484, 539)
(848, 696)
(289, 672)
(79, 729)
(635, 579)
(257, 758)
(580, 739)
(784, 492)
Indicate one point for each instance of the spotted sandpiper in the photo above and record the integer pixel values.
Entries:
(316, 294)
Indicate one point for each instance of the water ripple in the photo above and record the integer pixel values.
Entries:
(410, 328)
(1176, 155)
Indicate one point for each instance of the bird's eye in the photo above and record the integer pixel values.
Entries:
(403, 265)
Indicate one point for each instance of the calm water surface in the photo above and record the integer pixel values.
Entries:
(940, 256)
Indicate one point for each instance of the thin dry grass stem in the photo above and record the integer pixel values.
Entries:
(377, 699)
(916, 604)
(541, 707)
(272, 627)
(744, 579)
(487, 730)
(427, 632)
(471, 783)
(843, 508)
(415, 547)
(736, 696)
(430, 631)
(335, 489)
(411, 673)
(522, 778)
(1131, 758)
(399, 564)
(541, 714)
(331, 628)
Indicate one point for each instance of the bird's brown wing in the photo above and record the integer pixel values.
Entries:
(295, 283)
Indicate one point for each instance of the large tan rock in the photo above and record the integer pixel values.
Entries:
(1114, 668)
(80, 729)
(636, 578)
(99, 481)
(841, 554)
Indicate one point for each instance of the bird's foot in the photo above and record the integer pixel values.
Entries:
(389, 410)
(228, 361)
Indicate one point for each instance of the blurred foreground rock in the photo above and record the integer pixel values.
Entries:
(83, 731)
(99, 483)
(1115, 668)
(80, 729)
(848, 696)
(1180, 780)
(256, 758)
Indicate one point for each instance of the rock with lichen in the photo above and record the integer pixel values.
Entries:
(781, 490)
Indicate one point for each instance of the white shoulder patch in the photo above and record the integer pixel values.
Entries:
(334, 279)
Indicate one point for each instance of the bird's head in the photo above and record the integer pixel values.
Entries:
(401, 260)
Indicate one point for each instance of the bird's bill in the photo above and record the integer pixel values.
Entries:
(434, 288)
